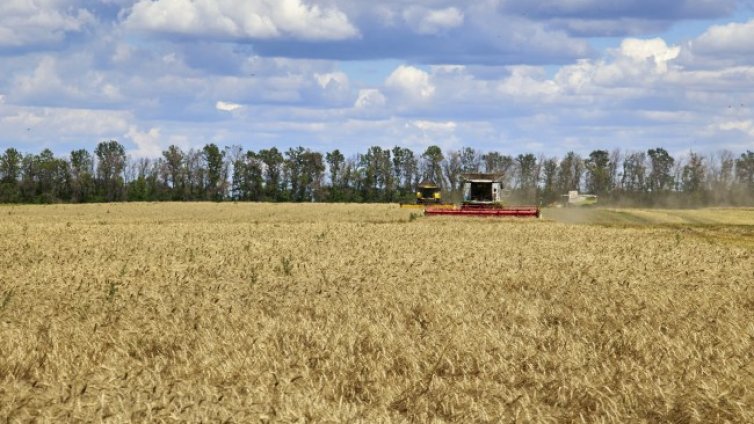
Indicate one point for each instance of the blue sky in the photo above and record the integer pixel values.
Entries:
(541, 76)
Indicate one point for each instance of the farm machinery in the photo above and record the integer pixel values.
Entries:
(427, 194)
(482, 196)
(574, 198)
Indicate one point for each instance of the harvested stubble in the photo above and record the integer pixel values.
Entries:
(329, 313)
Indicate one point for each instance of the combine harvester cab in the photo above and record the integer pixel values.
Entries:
(482, 196)
(427, 193)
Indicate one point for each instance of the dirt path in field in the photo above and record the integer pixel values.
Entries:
(684, 217)
(729, 226)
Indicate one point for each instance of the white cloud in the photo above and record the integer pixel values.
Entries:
(425, 133)
(528, 81)
(24, 23)
(44, 79)
(63, 82)
(252, 19)
(733, 37)
(429, 21)
(370, 98)
(627, 72)
(53, 124)
(411, 81)
(721, 46)
(448, 69)
(227, 107)
(147, 143)
(644, 90)
(654, 49)
(669, 116)
(338, 79)
(435, 127)
(746, 127)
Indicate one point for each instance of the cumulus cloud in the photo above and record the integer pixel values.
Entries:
(147, 143)
(436, 127)
(746, 127)
(654, 50)
(438, 31)
(227, 107)
(62, 129)
(242, 19)
(433, 21)
(527, 82)
(43, 81)
(26, 23)
(330, 79)
(411, 82)
(731, 43)
(424, 133)
(480, 73)
(54, 81)
(630, 71)
(370, 98)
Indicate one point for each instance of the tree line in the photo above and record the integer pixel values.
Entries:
(641, 178)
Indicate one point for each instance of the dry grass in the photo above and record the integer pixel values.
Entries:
(692, 217)
(331, 313)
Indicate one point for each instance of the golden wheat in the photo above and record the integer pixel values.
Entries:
(359, 313)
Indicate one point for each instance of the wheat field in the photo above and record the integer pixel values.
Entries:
(203, 312)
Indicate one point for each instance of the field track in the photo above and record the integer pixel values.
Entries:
(368, 313)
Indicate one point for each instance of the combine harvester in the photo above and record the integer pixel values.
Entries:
(427, 194)
(482, 196)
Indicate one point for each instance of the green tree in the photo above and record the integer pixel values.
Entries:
(405, 171)
(453, 168)
(549, 181)
(660, 173)
(312, 174)
(745, 169)
(10, 165)
(273, 162)
(52, 178)
(496, 163)
(10, 171)
(598, 172)
(305, 171)
(470, 160)
(248, 177)
(293, 165)
(82, 176)
(634, 172)
(692, 179)
(111, 161)
(432, 160)
(142, 187)
(216, 178)
(174, 162)
(570, 171)
(375, 174)
(527, 170)
(335, 161)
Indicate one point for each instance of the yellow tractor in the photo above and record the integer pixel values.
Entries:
(428, 193)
